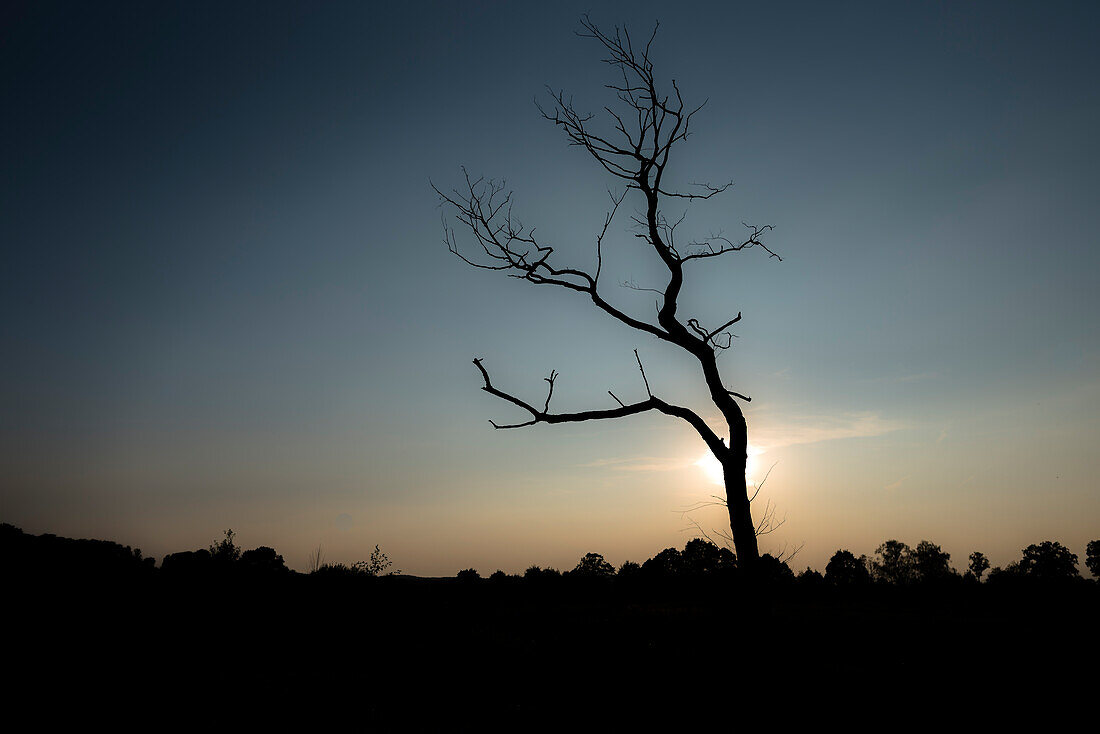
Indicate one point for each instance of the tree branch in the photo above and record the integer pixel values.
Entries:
(651, 403)
(709, 250)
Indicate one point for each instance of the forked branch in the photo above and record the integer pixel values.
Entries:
(707, 246)
(507, 245)
(545, 416)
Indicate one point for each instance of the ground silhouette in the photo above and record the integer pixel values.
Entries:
(97, 618)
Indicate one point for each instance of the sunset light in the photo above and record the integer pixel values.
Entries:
(712, 468)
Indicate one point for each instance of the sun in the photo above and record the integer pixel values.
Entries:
(712, 468)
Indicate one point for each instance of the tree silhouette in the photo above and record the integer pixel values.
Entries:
(1092, 557)
(668, 562)
(844, 569)
(893, 563)
(593, 565)
(634, 148)
(701, 557)
(979, 564)
(931, 563)
(1049, 560)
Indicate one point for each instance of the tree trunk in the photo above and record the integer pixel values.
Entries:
(737, 500)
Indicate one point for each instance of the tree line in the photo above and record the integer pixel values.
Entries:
(893, 563)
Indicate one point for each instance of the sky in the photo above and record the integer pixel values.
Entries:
(225, 301)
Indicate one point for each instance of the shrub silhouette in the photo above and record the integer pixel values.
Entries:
(376, 565)
(263, 560)
(371, 568)
(226, 551)
(188, 563)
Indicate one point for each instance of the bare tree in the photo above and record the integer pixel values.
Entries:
(642, 130)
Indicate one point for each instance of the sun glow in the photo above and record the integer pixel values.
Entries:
(712, 468)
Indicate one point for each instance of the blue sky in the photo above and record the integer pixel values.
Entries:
(225, 301)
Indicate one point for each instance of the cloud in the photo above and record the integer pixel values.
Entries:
(917, 377)
(643, 463)
(774, 435)
(815, 429)
(897, 484)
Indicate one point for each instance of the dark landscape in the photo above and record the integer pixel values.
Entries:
(97, 617)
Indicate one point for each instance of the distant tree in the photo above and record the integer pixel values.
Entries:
(772, 570)
(226, 550)
(593, 565)
(668, 562)
(635, 149)
(468, 575)
(50, 556)
(930, 564)
(498, 576)
(1048, 561)
(893, 563)
(539, 575)
(1009, 573)
(702, 557)
(979, 564)
(1092, 557)
(188, 563)
(810, 578)
(844, 569)
(629, 570)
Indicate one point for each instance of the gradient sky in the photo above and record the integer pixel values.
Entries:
(224, 300)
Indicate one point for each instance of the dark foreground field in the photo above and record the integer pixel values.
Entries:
(425, 650)
(94, 632)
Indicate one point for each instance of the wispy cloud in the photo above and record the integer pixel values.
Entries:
(775, 434)
(897, 485)
(642, 463)
(815, 429)
(915, 377)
